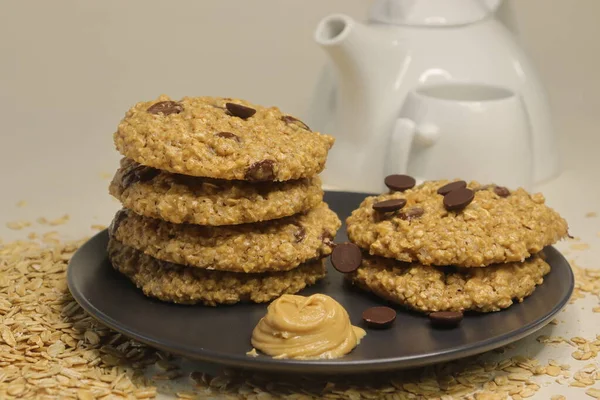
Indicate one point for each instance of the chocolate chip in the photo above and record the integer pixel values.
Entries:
(138, 173)
(399, 183)
(389, 205)
(238, 110)
(261, 171)
(444, 190)
(116, 222)
(379, 317)
(327, 239)
(346, 257)
(411, 213)
(165, 108)
(502, 191)
(300, 234)
(445, 319)
(228, 135)
(288, 119)
(458, 199)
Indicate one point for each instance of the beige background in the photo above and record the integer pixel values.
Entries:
(71, 68)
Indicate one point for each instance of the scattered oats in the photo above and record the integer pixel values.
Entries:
(91, 337)
(596, 309)
(166, 365)
(83, 394)
(579, 246)
(105, 175)
(56, 349)
(98, 227)
(168, 375)
(591, 214)
(593, 392)
(54, 222)
(554, 322)
(252, 353)
(18, 225)
(558, 397)
(147, 393)
(185, 395)
(553, 370)
(21, 203)
(49, 347)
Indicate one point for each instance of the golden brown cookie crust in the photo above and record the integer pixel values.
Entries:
(184, 285)
(266, 146)
(491, 229)
(277, 245)
(206, 201)
(429, 289)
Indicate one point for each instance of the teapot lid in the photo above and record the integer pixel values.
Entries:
(432, 12)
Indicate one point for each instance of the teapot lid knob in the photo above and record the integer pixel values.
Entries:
(432, 12)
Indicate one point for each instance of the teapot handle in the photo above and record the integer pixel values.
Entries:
(400, 145)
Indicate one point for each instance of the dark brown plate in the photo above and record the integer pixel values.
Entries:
(222, 334)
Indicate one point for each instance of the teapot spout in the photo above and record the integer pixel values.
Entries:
(345, 40)
(333, 30)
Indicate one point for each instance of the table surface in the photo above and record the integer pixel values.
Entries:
(52, 186)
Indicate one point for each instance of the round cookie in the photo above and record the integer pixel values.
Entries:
(184, 285)
(493, 228)
(277, 245)
(205, 201)
(429, 289)
(215, 137)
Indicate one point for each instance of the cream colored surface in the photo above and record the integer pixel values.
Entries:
(314, 327)
(69, 70)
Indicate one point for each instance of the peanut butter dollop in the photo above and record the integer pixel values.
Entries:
(315, 327)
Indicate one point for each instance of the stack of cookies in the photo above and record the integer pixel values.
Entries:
(452, 246)
(222, 201)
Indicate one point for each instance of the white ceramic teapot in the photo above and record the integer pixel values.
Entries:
(407, 44)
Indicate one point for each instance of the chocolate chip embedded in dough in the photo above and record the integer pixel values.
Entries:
(458, 199)
(300, 234)
(165, 108)
(411, 213)
(261, 171)
(399, 183)
(327, 239)
(138, 173)
(444, 190)
(288, 119)
(346, 257)
(379, 317)
(502, 191)
(446, 319)
(238, 110)
(116, 222)
(389, 205)
(228, 135)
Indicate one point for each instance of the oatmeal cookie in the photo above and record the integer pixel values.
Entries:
(185, 285)
(221, 138)
(429, 289)
(277, 245)
(497, 225)
(205, 201)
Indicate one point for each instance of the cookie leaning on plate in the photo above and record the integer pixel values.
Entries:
(221, 138)
(204, 201)
(430, 289)
(179, 284)
(497, 226)
(277, 245)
